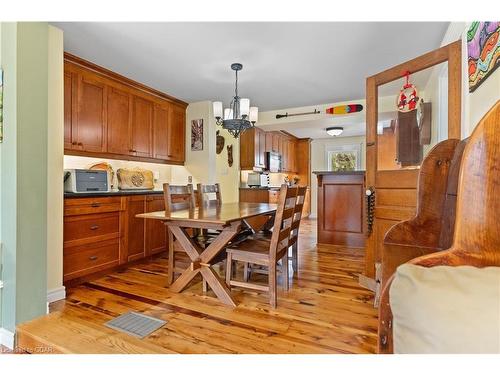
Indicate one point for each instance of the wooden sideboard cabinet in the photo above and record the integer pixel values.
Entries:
(110, 116)
(102, 232)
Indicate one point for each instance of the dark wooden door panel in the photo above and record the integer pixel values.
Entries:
(177, 134)
(119, 118)
(142, 125)
(68, 109)
(136, 246)
(156, 231)
(90, 119)
(160, 132)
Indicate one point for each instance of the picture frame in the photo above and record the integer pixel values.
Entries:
(197, 135)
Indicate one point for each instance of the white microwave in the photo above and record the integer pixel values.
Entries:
(273, 162)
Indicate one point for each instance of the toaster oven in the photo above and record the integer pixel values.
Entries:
(85, 181)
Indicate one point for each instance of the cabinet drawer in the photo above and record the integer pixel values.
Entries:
(79, 229)
(79, 206)
(273, 196)
(86, 259)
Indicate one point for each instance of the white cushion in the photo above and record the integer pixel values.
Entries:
(446, 309)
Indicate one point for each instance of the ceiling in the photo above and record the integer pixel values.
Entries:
(285, 64)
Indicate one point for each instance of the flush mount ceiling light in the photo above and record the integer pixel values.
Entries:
(335, 131)
(239, 116)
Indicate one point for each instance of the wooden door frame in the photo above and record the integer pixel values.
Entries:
(451, 53)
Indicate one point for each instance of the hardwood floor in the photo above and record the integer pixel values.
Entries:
(325, 311)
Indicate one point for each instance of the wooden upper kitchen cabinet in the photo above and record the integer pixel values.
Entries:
(88, 124)
(119, 121)
(142, 128)
(253, 149)
(110, 116)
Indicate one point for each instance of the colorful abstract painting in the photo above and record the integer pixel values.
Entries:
(483, 48)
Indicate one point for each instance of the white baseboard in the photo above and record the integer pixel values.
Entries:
(56, 294)
(7, 338)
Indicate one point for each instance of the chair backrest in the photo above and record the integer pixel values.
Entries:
(476, 240)
(297, 215)
(205, 192)
(178, 197)
(283, 222)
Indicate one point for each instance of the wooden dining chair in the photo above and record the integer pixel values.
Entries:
(294, 235)
(204, 193)
(177, 197)
(267, 253)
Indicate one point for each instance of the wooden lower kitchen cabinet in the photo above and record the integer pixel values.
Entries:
(341, 208)
(101, 233)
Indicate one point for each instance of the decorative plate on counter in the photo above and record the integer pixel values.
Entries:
(106, 167)
(134, 179)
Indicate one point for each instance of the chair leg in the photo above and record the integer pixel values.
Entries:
(284, 266)
(229, 269)
(171, 259)
(295, 259)
(245, 272)
(273, 296)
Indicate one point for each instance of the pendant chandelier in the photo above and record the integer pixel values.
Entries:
(239, 116)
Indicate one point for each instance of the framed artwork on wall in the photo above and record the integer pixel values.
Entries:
(343, 158)
(483, 51)
(197, 135)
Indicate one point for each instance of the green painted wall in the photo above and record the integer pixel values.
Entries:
(23, 169)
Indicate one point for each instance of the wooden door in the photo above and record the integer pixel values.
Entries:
(260, 148)
(395, 190)
(284, 154)
(291, 156)
(68, 110)
(176, 134)
(276, 142)
(119, 121)
(247, 149)
(156, 231)
(136, 248)
(142, 127)
(89, 124)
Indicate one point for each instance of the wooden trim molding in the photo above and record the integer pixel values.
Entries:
(122, 79)
(105, 155)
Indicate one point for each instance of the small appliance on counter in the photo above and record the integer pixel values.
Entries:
(258, 180)
(273, 162)
(85, 181)
(135, 179)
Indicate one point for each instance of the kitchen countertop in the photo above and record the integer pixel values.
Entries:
(261, 188)
(112, 193)
(339, 173)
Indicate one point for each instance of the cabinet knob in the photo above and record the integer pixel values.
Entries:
(94, 227)
(74, 143)
(80, 144)
(93, 257)
(95, 204)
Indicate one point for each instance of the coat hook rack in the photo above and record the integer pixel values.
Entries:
(278, 116)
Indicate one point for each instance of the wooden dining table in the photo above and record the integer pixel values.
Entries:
(227, 219)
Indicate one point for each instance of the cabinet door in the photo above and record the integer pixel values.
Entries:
(119, 121)
(261, 158)
(68, 110)
(177, 134)
(276, 142)
(89, 125)
(247, 149)
(160, 132)
(135, 228)
(284, 154)
(142, 127)
(269, 142)
(156, 231)
(291, 156)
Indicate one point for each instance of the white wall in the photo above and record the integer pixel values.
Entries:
(228, 177)
(319, 148)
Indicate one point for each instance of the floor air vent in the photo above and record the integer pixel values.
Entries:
(135, 324)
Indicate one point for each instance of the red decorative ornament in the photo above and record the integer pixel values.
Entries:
(407, 99)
